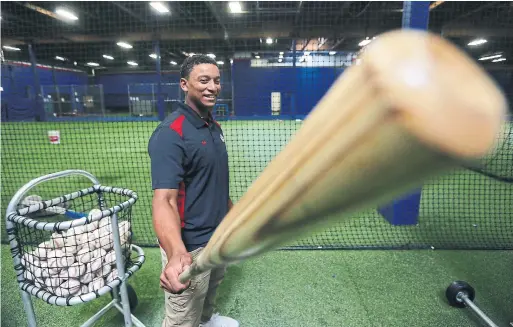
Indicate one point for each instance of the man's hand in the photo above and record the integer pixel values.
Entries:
(175, 266)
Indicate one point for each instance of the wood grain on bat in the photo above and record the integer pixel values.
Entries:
(415, 107)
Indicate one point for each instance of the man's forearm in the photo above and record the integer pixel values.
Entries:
(166, 222)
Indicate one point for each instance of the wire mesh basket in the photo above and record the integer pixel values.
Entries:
(74, 248)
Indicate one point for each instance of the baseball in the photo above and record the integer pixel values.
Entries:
(54, 281)
(66, 260)
(113, 274)
(96, 284)
(71, 285)
(76, 270)
(104, 271)
(84, 255)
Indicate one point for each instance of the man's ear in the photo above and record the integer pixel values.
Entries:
(183, 84)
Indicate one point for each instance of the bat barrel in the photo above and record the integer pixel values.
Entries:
(413, 108)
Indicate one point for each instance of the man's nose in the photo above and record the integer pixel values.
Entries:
(211, 86)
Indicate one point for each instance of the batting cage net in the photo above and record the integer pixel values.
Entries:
(84, 84)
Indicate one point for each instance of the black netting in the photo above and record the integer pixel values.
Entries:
(86, 93)
(71, 261)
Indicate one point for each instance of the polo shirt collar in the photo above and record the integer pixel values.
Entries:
(192, 116)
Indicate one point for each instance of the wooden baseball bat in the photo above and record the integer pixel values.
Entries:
(414, 107)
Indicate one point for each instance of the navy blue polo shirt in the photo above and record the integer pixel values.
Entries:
(189, 154)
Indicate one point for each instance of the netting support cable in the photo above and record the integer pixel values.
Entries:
(40, 112)
(160, 100)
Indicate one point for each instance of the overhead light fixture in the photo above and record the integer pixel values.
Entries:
(257, 57)
(93, 64)
(153, 55)
(124, 45)
(173, 63)
(220, 62)
(74, 63)
(331, 53)
(108, 57)
(365, 42)
(498, 60)
(235, 7)
(269, 40)
(159, 6)
(66, 14)
(477, 42)
(280, 60)
(8, 47)
(60, 58)
(211, 55)
(281, 53)
(490, 57)
(132, 63)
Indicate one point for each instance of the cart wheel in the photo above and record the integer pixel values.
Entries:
(456, 287)
(132, 297)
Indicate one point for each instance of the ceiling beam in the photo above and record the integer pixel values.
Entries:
(128, 11)
(283, 30)
(473, 31)
(219, 20)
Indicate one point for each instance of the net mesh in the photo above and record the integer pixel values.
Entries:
(276, 59)
(70, 261)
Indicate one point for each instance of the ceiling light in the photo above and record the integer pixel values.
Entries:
(280, 60)
(220, 62)
(108, 57)
(331, 53)
(365, 42)
(498, 60)
(257, 57)
(153, 55)
(158, 6)
(211, 55)
(490, 57)
(132, 63)
(66, 14)
(74, 63)
(235, 7)
(124, 45)
(173, 63)
(8, 47)
(269, 40)
(60, 58)
(281, 53)
(94, 64)
(477, 42)
(280, 56)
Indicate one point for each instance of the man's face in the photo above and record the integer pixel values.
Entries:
(203, 85)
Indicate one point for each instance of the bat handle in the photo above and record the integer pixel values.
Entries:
(190, 272)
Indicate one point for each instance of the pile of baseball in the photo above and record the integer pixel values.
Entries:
(76, 261)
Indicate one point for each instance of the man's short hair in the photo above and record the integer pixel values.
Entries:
(189, 63)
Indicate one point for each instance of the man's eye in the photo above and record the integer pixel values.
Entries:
(204, 81)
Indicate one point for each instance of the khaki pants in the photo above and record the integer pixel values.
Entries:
(196, 303)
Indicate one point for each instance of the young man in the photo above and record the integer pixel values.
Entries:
(189, 170)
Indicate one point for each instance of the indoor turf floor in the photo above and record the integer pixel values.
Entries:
(313, 288)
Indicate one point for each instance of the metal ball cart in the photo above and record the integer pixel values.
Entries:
(74, 248)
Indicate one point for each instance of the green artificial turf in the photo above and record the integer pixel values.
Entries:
(314, 288)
